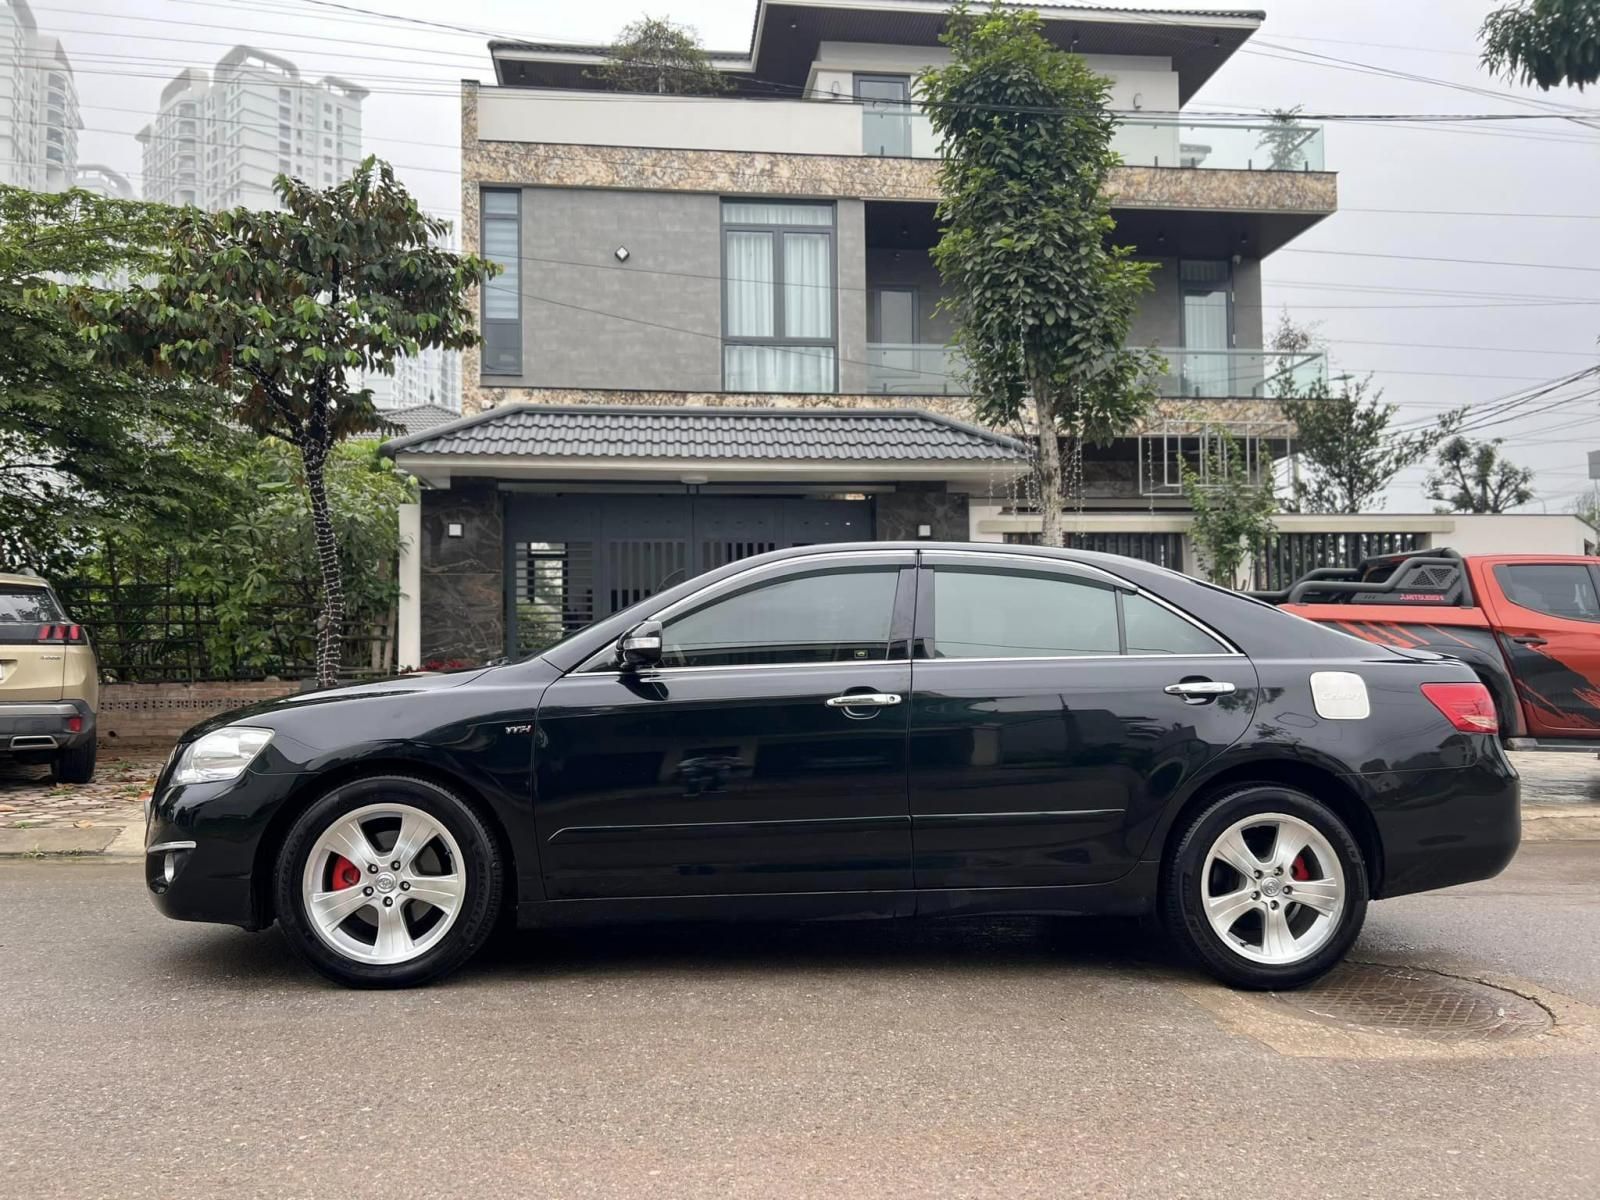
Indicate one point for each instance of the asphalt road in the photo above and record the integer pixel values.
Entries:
(140, 1057)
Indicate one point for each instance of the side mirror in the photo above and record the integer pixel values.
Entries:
(640, 646)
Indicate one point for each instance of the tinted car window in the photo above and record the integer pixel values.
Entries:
(1151, 629)
(1006, 614)
(1562, 590)
(827, 616)
(27, 606)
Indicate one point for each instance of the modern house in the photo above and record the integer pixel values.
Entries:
(717, 328)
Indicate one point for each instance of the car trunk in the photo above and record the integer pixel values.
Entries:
(29, 669)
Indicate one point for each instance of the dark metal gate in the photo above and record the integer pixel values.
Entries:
(574, 558)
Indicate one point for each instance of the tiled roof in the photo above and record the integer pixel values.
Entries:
(419, 417)
(720, 434)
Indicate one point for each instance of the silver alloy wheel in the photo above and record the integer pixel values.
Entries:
(391, 913)
(1273, 889)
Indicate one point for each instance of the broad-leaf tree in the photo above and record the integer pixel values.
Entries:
(81, 446)
(1041, 299)
(1544, 42)
(656, 55)
(1474, 477)
(1347, 449)
(281, 309)
(1232, 512)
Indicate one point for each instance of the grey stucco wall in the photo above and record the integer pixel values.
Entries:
(671, 278)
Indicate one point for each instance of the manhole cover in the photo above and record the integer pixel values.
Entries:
(1410, 1003)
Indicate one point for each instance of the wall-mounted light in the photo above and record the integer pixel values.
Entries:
(454, 529)
(693, 480)
(621, 253)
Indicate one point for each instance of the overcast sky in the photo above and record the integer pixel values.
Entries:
(1434, 334)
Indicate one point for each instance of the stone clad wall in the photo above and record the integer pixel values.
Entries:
(463, 578)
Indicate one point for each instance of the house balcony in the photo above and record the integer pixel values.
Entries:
(911, 369)
(1263, 181)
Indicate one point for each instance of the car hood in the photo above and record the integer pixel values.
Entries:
(376, 690)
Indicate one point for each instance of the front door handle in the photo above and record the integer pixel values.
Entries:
(1530, 639)
(1197, 688)
(864, 700)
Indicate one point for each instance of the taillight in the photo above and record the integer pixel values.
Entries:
(1467, 706)
(61, 633)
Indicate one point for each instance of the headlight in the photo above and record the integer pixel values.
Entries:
(223, 754)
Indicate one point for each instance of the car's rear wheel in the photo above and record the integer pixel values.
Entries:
(1267, 888)
(388, 881)
(74, 765)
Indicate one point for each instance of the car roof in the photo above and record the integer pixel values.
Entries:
(23, 581)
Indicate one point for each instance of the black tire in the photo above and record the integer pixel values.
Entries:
(484, 884)
(74, 765)
(1181, 893)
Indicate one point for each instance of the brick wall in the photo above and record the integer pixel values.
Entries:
(143, 712)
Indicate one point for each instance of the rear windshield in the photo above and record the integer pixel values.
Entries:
(21, 605)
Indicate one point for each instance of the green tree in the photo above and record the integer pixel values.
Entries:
(1474, 477)
(1232, 512)
(655, 55)
(1348, 451)
(1285, 138)
(280, 309)
(1544, 42)
(1041, 300)
(82, 446)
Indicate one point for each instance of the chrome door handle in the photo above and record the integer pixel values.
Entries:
(864, 700)
(1201, 687)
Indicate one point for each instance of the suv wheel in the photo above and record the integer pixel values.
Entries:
(74, 765)
(388, 881)
(1267, 888)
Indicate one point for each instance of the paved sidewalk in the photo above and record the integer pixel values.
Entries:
(38, 817)
(1560, 802)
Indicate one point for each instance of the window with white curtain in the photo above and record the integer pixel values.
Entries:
(778, 292)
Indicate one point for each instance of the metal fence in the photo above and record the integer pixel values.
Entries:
(1288, 556)
(147, 631)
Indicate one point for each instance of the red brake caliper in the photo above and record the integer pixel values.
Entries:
(347, 874)
(1298, 869)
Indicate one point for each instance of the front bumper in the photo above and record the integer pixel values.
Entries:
(213, 832)
(44, 727)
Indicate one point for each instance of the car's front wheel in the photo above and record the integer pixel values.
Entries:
(388, 881)
(1267, 888)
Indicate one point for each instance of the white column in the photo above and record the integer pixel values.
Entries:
(409, 625)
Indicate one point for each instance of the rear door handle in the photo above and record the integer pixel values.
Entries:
(1530, 639)
(864, 700)
(1201, 687)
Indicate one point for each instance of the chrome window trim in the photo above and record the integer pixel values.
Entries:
(652, 672)
(1069, 658)
(1230, 651)
(898, 560)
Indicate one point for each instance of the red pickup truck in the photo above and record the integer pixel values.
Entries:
(1528, 624)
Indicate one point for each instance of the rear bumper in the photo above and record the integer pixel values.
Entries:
(43, 727)
(1445, 826)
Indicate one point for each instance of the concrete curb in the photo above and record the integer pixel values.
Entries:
(1540, 823)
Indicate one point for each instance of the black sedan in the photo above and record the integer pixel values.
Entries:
(875, 730)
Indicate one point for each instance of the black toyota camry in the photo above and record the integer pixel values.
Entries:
(875, 730)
